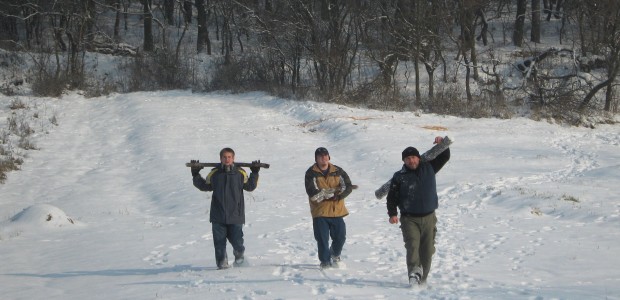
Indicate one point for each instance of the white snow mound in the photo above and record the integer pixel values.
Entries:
(42, 215)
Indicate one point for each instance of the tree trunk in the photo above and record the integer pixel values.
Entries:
(60, 42)
(169, 12)
(430, 70)
(227, 36)
(558, 7)
(548, 4)
(126, 14)
(484, 27)
(187, 11)
(30, 26)
(8, 30)
(418, 94)
(609, 97)
(470, 98)
(148, 26)
(468, 32)
(535, 33)
(474, 60)
(595, 89)
(517, 38)
(117, 20)
(90, 16)
(612, 73)
(203, 29)
(387, 68)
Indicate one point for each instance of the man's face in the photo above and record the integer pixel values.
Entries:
(227, 158)
(412, 162)
(322, 160)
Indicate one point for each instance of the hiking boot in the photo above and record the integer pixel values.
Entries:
(335, 258)
(325, 265)
(239, 259)
(223, 265)
(415, 279)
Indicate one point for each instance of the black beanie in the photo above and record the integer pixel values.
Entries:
(410, 151)
(320, 151)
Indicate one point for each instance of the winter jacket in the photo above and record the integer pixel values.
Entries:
(227, 204)
(337, 179)
(414, 192)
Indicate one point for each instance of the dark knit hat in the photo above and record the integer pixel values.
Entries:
(320, 151)
(410, 151)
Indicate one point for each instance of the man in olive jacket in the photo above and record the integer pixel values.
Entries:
(413, 191)
(327, 186)
(227, 216)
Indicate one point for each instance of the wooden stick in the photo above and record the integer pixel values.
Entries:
(238, 164)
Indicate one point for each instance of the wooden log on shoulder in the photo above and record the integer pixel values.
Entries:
(238, 164)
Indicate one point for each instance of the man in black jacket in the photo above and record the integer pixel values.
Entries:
(227, 182)
(414, 192)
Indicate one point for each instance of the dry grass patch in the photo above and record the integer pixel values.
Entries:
(435, 127)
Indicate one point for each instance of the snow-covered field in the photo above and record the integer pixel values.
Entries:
(528, 210)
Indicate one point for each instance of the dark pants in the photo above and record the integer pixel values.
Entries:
(419, 237)
(234, 234)
(324, 228)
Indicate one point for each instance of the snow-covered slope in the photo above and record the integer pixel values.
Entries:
(528, 210)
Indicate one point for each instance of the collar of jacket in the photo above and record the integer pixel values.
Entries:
(331, 168)
(223, 167)
(405, 169)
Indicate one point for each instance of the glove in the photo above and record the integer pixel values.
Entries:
(195, 170)
(255, 168)
(332, 195)
(318, 197)
(323, 194)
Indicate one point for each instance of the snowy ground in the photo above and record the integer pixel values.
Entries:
(528, 210)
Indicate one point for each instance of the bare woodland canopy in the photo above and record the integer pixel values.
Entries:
(465, 54)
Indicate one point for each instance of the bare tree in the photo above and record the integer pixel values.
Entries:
(314, 47)
(602, 29)
(406, 30)
(484, 30)
(535, 33)
(227, 11)
(8, 24)
(117, 19)
(430, 18)
(202, 19)
(332, 41)
(550, 10)
(187, 11)
(148, 26)
(169, 11)
(465, 12)
(376, 26)
(519, 30)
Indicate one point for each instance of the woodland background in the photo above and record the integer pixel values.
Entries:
(478, 58)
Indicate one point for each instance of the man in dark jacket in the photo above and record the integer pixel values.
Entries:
(414, 192)
(227, 182)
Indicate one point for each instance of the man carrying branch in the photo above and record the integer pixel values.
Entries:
(413, 191)
(327, 186)
(227, 216)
